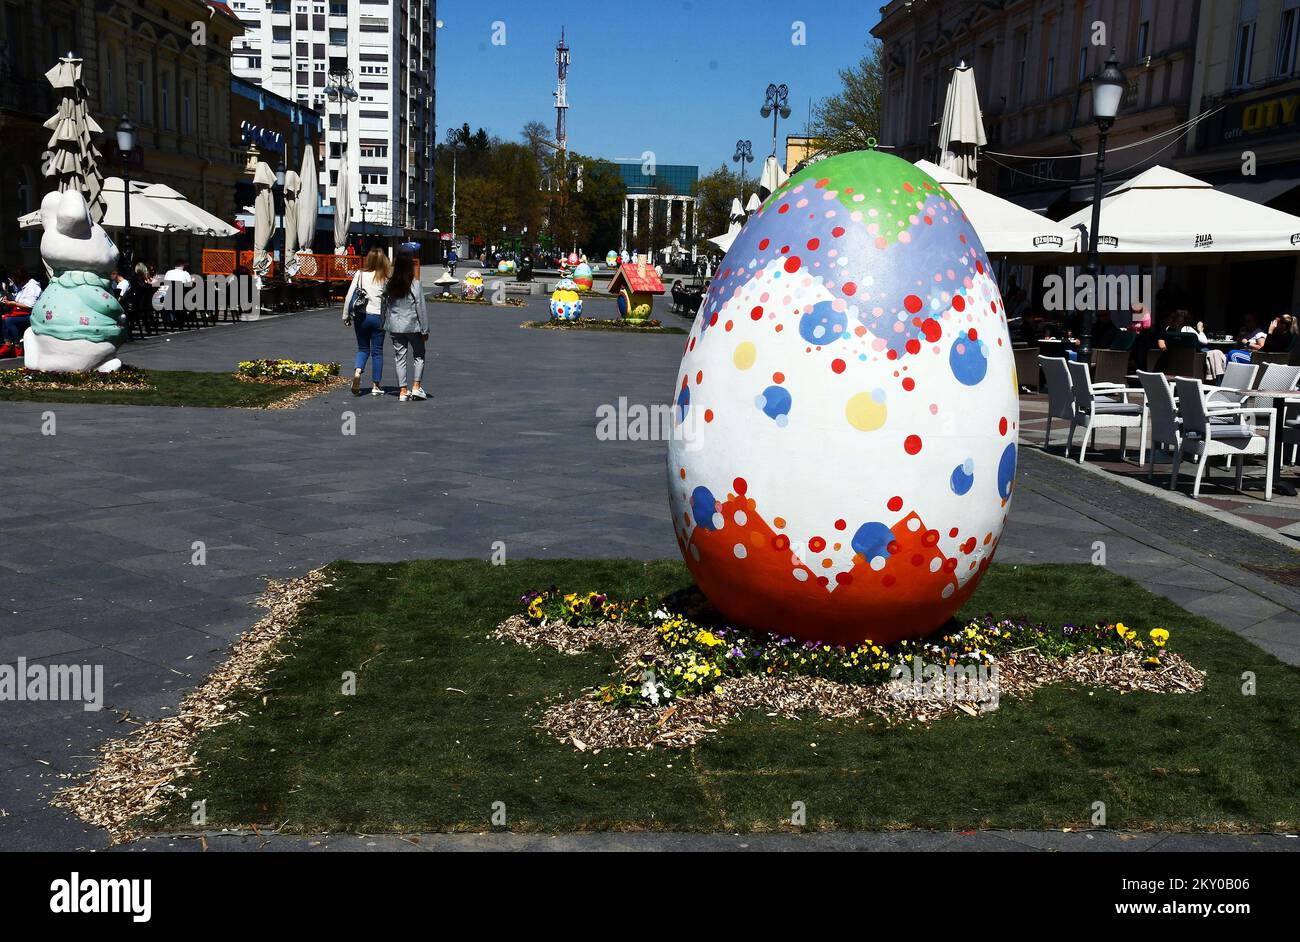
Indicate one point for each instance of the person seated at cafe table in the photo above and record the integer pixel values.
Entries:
(1281, 334)
(1251, 338)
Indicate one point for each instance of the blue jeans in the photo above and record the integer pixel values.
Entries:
(14, 327)
(1238, 356)
(370, 343)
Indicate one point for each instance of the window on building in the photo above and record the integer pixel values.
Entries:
(187, 107)
(1244, 48)
(165, 88)
(1083, 63)
(1144, 30)
(141, 94)
(1287, 36)
(1022, 63)
(1049, 76)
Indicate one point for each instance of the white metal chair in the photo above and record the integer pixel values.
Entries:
(1204, 439)
(1236, 377)
(1162, 415)
(1096, 413)
(1060, 399)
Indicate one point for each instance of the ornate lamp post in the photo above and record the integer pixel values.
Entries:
(339, 88)
(776, 105)
(453, 141)
(284, 245)
(744, 155)
(125, 147)
(364, 197)
(1107, 91)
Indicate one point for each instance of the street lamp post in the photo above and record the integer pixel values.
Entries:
(364, 197)
(776, 105)
(284, 235)
(744, 155)
(125, 147)
(1107, 91)
(339, 88)
(453, 141)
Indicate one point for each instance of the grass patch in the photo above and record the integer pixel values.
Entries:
(441, 724)
(162, 388)
(588, 323)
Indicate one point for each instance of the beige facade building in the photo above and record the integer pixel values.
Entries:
(1232, 63)
(140, 59)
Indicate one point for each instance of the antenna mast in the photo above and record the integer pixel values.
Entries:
(561, 94)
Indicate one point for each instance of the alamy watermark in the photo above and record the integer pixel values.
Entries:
(1075, 291)
(637, 422)
(22, 681)
(974, 684)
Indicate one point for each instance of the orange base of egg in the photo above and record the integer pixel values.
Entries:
(761, 591)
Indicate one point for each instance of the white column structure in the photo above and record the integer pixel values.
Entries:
(622, 232)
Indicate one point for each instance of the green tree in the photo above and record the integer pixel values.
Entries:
(713, 194)
(600, 204)
(844, 121)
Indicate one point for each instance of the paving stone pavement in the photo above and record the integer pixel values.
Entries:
(95, 560)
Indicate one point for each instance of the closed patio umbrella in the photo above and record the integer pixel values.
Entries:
(75, 159)
(263, 217)
(342, 209)
(961, 130)
(772, 177)
(308, 200)
(292, 187)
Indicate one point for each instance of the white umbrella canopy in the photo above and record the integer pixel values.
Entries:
(754, 204)
(342, 208)
(772, 177)
(1180, 218)
(146, 212)
(961, 131)
(737, 211)
(724, 241)
(292, 187)
(75, 161)
(308, 200)
(263, 217)
(202, 222)
(1003, 227)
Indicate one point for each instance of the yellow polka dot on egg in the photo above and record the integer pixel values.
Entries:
(745, 355)
(865, 413)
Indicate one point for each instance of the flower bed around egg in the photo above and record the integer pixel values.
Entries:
(681, 672)
(587, 323)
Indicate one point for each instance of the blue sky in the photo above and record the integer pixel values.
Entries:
(682, 78)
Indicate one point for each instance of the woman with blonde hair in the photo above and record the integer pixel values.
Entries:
(363, 308)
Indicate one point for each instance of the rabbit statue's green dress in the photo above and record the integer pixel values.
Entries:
(79, 305)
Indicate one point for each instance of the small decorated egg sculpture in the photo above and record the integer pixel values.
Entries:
(473, 287)
(505, 266)
(611, 258)
(582, 277)
(566, 303)
(845, 418)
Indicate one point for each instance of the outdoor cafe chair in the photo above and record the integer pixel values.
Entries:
(1111, 366)
(1095, 413)
(1275, 377)
(1027, 371)
(1237, 377)
(1162, 415)
(1203, 439)
(1060, 398)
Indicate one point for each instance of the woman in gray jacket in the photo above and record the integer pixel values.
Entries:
(408, 325)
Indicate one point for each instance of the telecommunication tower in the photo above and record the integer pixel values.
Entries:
(561, 94)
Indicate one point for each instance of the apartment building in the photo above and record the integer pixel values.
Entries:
(384, 51)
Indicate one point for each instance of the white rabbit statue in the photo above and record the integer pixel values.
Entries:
(77, 322)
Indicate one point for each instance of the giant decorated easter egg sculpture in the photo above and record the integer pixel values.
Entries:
(846, 410)
(583, 277)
